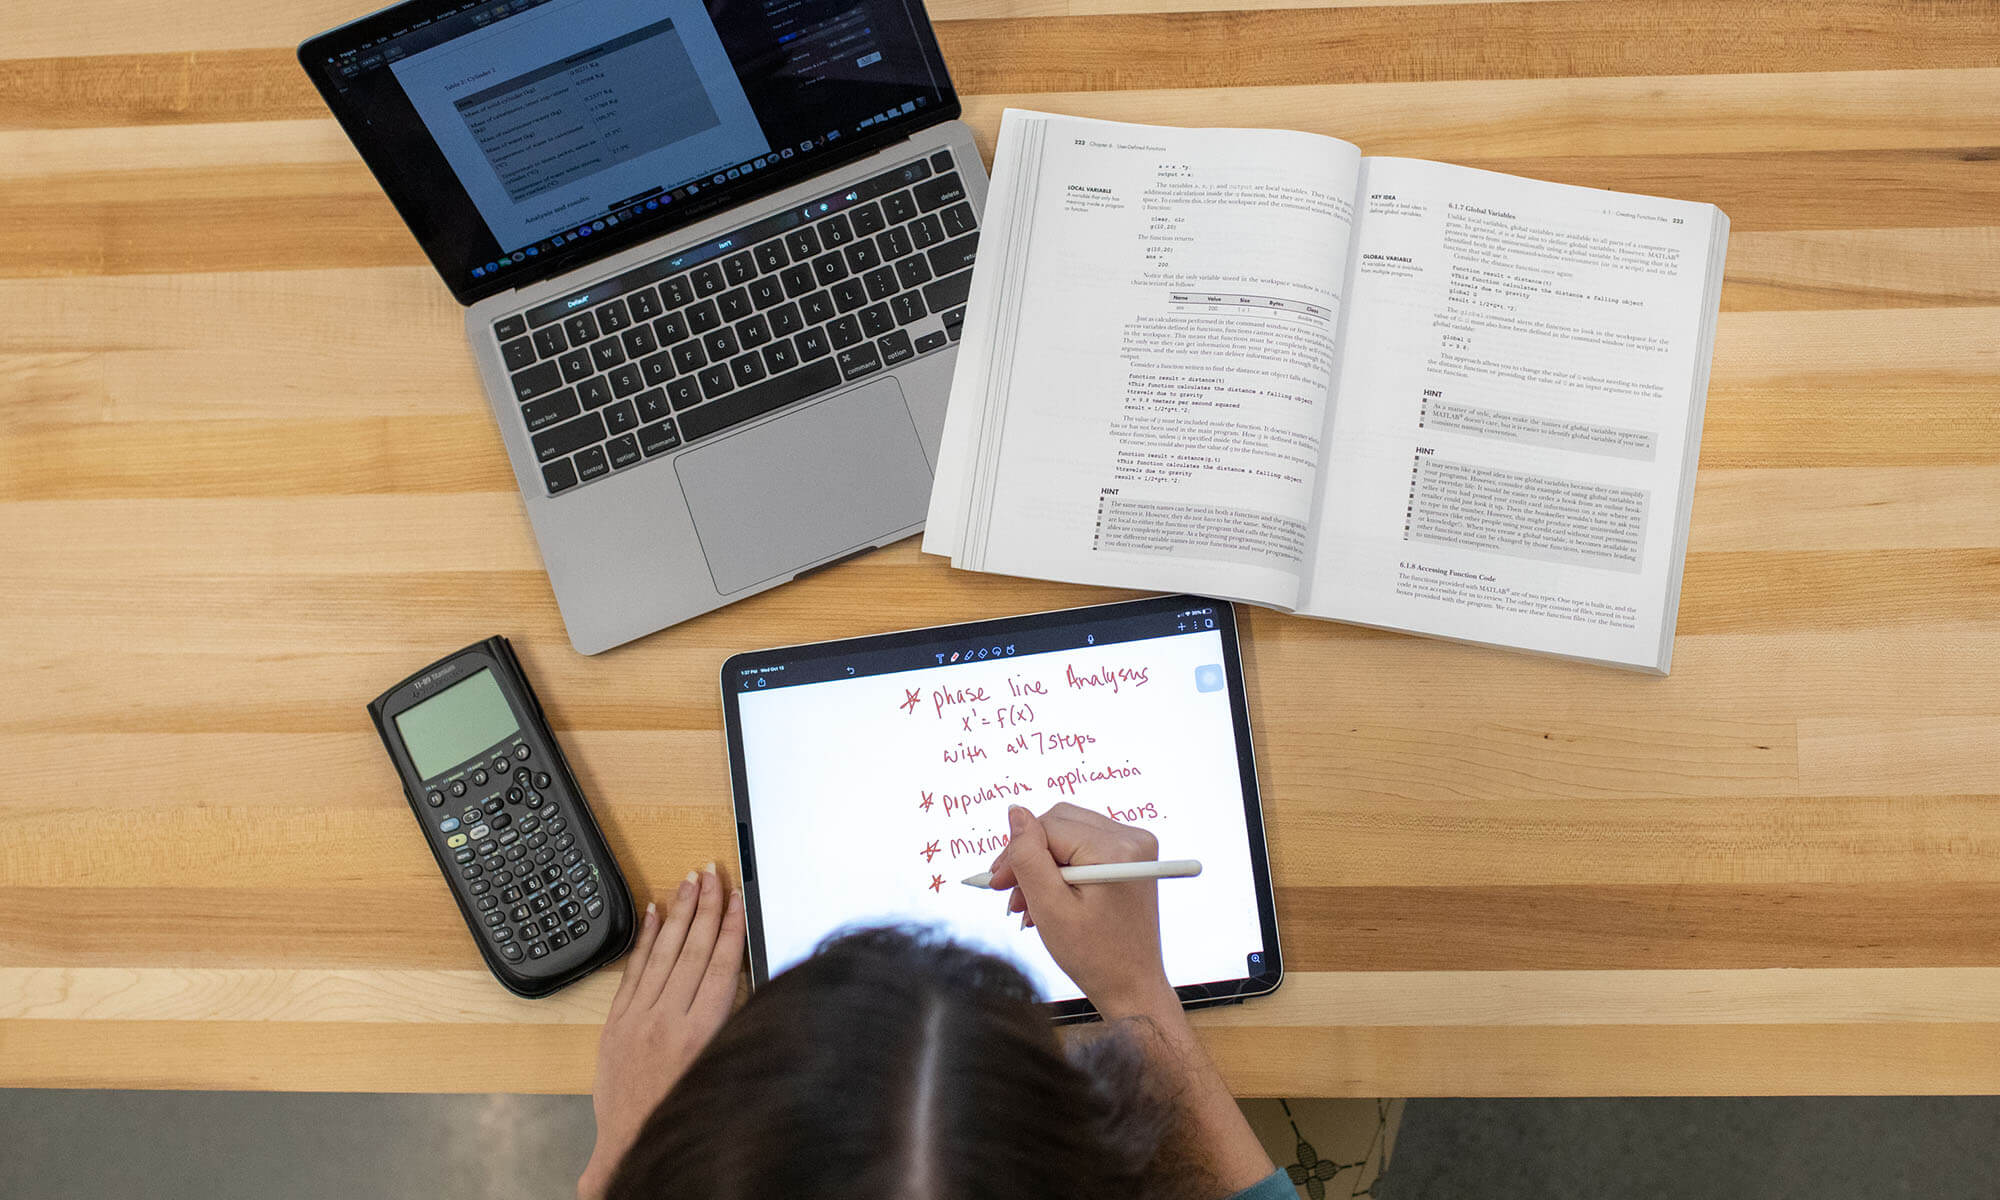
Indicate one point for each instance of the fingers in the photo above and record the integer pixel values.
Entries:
(699, 947)
(635, 962)
(667, 944)
(1036, 875)
(717, 989)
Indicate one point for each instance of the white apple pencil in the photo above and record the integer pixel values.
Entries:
(1126, 872)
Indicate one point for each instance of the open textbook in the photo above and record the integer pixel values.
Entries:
(1254, 364)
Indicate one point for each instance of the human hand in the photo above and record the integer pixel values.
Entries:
(1105, 936)
(679, 984)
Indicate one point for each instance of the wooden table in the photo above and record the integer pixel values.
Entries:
(247, 478)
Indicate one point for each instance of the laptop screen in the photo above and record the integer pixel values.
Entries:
(519, 137)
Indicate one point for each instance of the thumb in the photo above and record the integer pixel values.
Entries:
(1035, 869)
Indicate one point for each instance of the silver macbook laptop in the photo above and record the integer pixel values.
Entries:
(716, 261)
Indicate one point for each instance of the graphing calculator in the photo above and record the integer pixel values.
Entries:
(505, 819)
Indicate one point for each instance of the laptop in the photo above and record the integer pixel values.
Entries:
(715, 263)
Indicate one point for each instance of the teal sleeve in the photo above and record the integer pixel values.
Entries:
(1274, 1186)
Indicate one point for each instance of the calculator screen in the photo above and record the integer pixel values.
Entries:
(456, 724)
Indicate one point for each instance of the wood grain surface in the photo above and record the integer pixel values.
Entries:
(247, 478)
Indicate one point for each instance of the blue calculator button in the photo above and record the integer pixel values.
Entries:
(448, 825)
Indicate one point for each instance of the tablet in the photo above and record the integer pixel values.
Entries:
(872, 775)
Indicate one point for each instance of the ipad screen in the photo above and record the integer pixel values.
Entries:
(879, 776)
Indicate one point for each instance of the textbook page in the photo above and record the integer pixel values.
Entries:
(1516, 416)
(1143, 384)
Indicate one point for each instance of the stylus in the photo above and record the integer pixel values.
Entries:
(1173, 868)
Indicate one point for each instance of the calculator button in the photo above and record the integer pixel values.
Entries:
(503, 877)
(519, 912)
(538, 950)
(480, 887)
(463, 856)
(510, 837)
(570, 910)
(572, 858)
(501, 821)
(511, 953)
(448, 825)
(557, 826)
(480, 831)
(434, 797)
(559, 890)
(542, 903)
(529, 883)
(492, 804)
(542, 856)
(492, 862)
(529, 824)
(578, 928)
(579, 870)
(458, 787)
(551, 873)
(543, 781)
(558, 941)
(516, 853)
(470, 871)
(586, 889)
(593, 908)
(522, 751)
(551, 923)
(495, 920)
(524, 777)
(488, 903)
(512, 895)
(565, 841)
(499, 764)
(547, 812)
(455, 841)
(471, 814)
(514, 795)
(503, 935)
(479, 777)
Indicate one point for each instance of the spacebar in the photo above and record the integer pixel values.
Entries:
(757, 399)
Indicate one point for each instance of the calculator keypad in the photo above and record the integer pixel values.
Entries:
(536, 891)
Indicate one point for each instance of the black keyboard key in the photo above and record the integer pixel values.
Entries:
(867, 218)
(895, 348)
(818, 308)
(747, 370)
(739, 267)
(941, 161)
(758, 399)
(518, 354)
(654, 439)
(848, 295)
(626, 379)
(948, 292)
(707, 280)
(829, 267)
(568, 437)
(802, 243)
(703, 317)
(934, 194)
(894, 243)
(657, 368)
(812, 344)
(576, 365)
(549, 341)
(560, 476)
(688, 358)
(581, 328)
(653, 404)
(958, 219)
(645, 304)
(856, 361)
(682, 393)
(766, 291)
(621, 417)
(734, 304)
(595, 392)
(670, 328)
(931, 341)
(954, 255)
(954, 324)
(753, 332)
(606, 353)
(898, 207)
(542, 413)
(798, 280)
(720, 344)
(908, 307)
(715, 380)
(785, 320)
(591, 463)
(861, 256)
(913, 271)
(926, 231)
(639, 340)
(771, 255)
(538, 380)
(876, 321)
(779, 356)
(675, 292)
(510, 327)
(880, 282)
(835, 231)
(624, 451)
(612, 317)
(844, 332)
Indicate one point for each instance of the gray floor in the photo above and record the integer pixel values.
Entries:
(225, 1145)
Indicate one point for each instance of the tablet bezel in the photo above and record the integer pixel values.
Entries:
(1192, 996)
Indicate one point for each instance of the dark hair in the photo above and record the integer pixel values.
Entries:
(895, 1065)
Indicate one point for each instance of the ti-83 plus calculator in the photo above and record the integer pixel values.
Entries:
(505, 819)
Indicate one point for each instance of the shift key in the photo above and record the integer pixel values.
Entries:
(568, 437)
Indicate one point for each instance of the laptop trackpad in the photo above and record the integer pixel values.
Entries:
(823, 480)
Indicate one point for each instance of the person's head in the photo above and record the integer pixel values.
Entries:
(894, 1065)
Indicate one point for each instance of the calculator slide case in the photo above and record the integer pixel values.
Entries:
(466, 790)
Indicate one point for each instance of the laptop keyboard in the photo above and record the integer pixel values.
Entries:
(683, 348)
